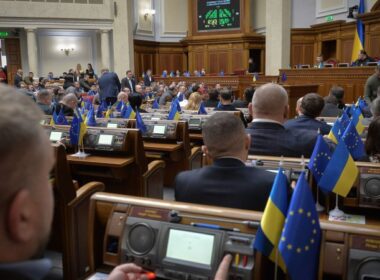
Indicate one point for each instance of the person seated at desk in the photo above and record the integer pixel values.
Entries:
(310, 108)
(372, 86)
(213, 98)
(331, 107)
(26, 209)
(372, 143)
(363, 59)
(135, 100)
(319, 61)
(194, 102)
(85, 83)
(375, 108)
(270, 109)
(228, 182)
(248, 94)
(44, 99)
(68, 104)
(226, 97)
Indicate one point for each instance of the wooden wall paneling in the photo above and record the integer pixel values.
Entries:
(224, 58)
(296, 54)
(214, 63)
(237, 60)
(309, 54)
(199, 58)
(346, 50)
(13, 54)
(374, 45)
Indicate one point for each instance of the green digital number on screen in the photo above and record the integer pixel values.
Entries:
(218, 15)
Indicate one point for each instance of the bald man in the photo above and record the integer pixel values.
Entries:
(269, 110)
(228, 182)
(68, 104)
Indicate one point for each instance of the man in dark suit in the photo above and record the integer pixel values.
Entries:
(129, 82)
(18, 78)
(226, 95)
(248, 94)
(109, 86)
(310, 108)
(228, 182)
(270, 109)
(148, 78)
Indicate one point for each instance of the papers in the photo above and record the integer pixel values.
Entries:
(347, 218)
(98, 276)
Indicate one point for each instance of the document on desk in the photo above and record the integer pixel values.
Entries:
(98, 276)
(347, 218)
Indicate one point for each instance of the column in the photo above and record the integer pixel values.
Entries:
(105, 48)
(122, 49)
(32, 50)
(277, 39)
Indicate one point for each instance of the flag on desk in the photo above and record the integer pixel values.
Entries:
(61, 119)
(155, 105)
(353, 142)
(78, 129)
(341, 171)
(299, 245)
(53, 119)
(349, 110)
(180, 97)
(336, 131)
(109, 113)
(175, 109)
(219, 105)
(140, 123)
(127, 112)
(119, 106)
(359, 33)
(357, 119)
(283, 77)
(319, 159)
(88, 104)
(90, 119)
(269, 233)
(202, 109)
(255, 77)
(344, 120)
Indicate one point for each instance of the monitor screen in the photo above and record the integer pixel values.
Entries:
(55, 136)
(105, 139)
(194, 122)
(190, 246)
(112, 125)
(218, 14)
(155, 119)
(159, 129)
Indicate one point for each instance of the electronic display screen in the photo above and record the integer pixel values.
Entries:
(218, 14)
(194, 122)
(112, 125)
(155, 119)
(159, 129)
(190, 246)
(55, 136)
(105, 139)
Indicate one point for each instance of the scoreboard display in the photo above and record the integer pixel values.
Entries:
(216, 15)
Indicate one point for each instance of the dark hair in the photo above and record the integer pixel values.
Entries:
(338, 92)
(226, 94)
(372, 143)
(135, 100)
(213, 94)
(248, 94)
(128, 71)
(331, 99)
(312, 105)
(363, 52)
(195, 88)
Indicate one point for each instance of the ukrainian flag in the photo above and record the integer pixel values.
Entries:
(109, 113)
(140, 123)
(340, 173)
(357, 120)
(272, 221)
(128, 113)
(53, 120)
(90, 119)
(336, 131)
(82, 130)
(359, 34)
(175, 110)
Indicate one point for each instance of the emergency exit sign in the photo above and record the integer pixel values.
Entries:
(329, 18)
(4, 34)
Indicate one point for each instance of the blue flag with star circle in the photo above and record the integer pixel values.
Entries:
(300, 240)
(319, 159)
(353, 142)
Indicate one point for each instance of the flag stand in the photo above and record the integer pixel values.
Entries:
(318, 206)
(336, 212)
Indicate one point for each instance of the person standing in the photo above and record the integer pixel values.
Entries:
(109, 86)
(371, 86)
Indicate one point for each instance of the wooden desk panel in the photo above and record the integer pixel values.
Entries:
(100, 161)
(161, 147)
(352, 79)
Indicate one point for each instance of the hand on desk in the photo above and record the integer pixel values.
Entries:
(127, 272)
(222, 272)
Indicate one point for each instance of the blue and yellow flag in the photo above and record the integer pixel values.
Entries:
(353, 142)
(128, 113)
(140, 123)
(155, 104)
(202, 109)
(175, 109)
(109, 113)
(53, 119)
(82, 130)
(90, 119)
(357, 120)
(359, 34)
(336, 131)
(74, 131)
(272, 221)
(255, 77)
(61, 119)
(119, 106)
(300, 239)
(180, 97)
(319, 159)
(340, 173)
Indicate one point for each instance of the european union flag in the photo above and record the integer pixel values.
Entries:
(320, 158)
(140, 123)
(175, 110)
(299, 245)
(357, 119)
(272, 221)
(119, 105)
(341, 171)
(180, 97)
(103, 106)
(353, 142)
(284, 77)
(74, 131)
(88, 104)
(344, 120)
(99, 113)
(155, 105)
(202, 109)
(336, 131)
(219, 105)
(128, 112)
(91, 121)
(61, 119)
(349, 110)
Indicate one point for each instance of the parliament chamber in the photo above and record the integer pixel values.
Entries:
(191, 146)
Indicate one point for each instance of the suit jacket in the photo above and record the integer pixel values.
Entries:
(148, 80)
(273, 139)
(240, 104)
(308, 123)
(109, 85)
(331, 110)
(230, 107)
(211, 103)
(17, 80)
(226, 183)
(125, 84)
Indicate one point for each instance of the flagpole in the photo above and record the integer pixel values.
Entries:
(336, 212)
(281, 164)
